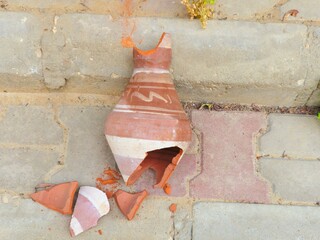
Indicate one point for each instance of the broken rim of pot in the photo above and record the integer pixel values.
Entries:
(150, 51)
(129, 203)
(58, 197)
(162, 161)
(91, 205)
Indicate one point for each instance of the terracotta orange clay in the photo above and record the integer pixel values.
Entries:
(129, 203)
(167, 189)
(57, 197)
(162, 161)
(148, 128)
(173, 207)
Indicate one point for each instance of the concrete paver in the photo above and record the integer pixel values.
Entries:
(228, 157)
(87, 151)
(30, 125)
(229, 221)
(31, 220)
(292, 136)
(22, 169)
(293, 180)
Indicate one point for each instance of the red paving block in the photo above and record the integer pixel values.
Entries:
(228, 156)
(179, 181)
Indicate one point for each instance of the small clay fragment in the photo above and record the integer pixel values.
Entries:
(292, 12)
(173, 207)
(56, 197)
(129, 203)
(167, 188)
(91, 205)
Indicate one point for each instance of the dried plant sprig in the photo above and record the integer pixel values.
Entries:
(201, 9)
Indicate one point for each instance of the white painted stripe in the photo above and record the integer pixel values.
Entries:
(166, 80)
(150, 70)
(97, 198)
(123, 106)
(153, 87)
(75, 226)
(137, 111)
(137, 148)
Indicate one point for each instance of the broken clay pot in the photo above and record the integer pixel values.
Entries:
(129, 203)
(91, 205)
(148, 128)
(57, 197)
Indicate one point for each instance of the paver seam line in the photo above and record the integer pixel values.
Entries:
(255, 161)
(199, 155)
(63, 152)
(198, 159)
(45, 98)
(3, 112)
(47, 147)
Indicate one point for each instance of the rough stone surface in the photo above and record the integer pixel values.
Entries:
(308, 9)
(248, 9)
(251, 222)
(31, 220)
(183, 221)
(292, 136)
(269, 64)
(150, 8)
(228, 158)
(92, 47)
(22, 169)
(20, 35)
(87, 149)
(293, 180)
(30, 125)
(315, 98)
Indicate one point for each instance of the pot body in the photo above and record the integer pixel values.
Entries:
(149, 115)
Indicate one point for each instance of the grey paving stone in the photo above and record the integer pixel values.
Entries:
(261, 45)
(183, 222)
(20, 43)
(153, 8)
(294, 136)
(87, 149)
(32, 221)
(93, 48)
(293, 180)
(30, 125)
(22, 169)
(308, 9)
(247, 9)
(230, 221)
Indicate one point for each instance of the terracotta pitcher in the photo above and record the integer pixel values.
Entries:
(148, 128)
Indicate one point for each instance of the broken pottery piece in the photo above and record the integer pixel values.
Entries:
(91, 205)
(148, 128)
(167, 188)
(129, 203)
(57, 197)
(173, 207)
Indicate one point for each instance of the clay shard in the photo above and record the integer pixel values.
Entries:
(162, 161)
(91, 205)
(57, 197)
(129, 203)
